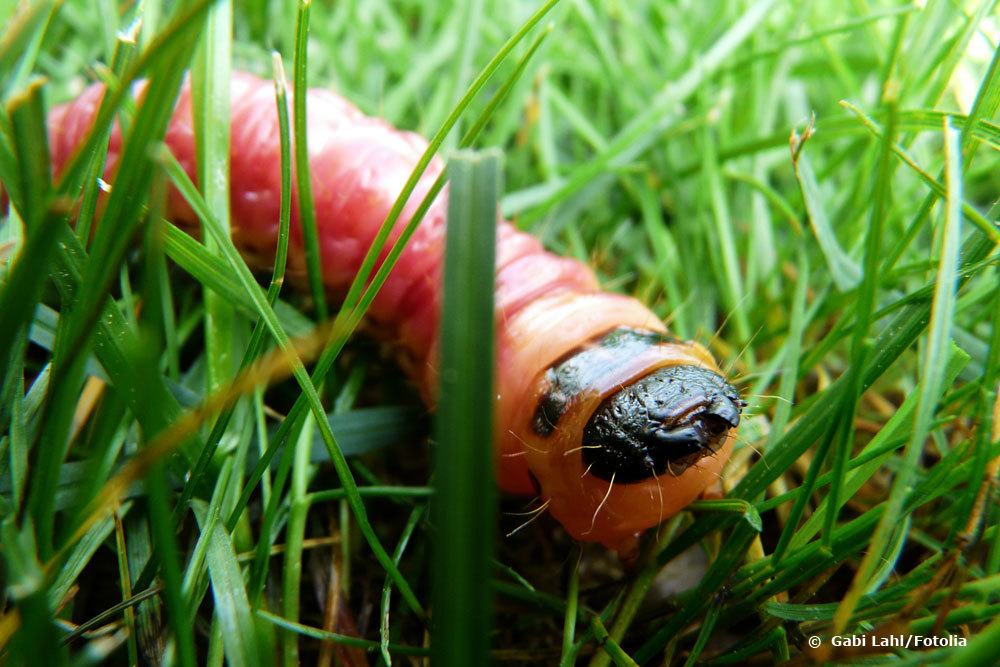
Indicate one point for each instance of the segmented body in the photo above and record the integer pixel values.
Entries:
(556, 362)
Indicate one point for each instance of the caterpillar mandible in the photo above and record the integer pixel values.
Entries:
(615, 424)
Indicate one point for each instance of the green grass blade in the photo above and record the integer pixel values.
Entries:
(244, 643)
(570, 618)
(307, 210)
(294, 537)
(178, 613)
(357, 642)
(704, 634)
(397, 556)
(463, 547)
(723, 239)
(844, 271)
(210, 89)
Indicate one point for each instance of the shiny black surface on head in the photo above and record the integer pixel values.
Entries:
(664, 422)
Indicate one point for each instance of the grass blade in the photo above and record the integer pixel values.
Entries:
(843, 270)
(244, 643)
(307, 211)
(463, 546)
(210, 89)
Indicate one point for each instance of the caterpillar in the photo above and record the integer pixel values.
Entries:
(612, 422)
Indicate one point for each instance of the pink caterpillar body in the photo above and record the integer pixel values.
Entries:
(610, 421)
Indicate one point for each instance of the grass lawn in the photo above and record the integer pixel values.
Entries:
(200, 464)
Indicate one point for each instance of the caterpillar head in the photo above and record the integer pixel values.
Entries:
(663, 423)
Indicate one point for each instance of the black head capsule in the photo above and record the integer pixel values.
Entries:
(666, 421)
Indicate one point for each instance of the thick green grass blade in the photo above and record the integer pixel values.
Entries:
(464, 510)
(210, 90)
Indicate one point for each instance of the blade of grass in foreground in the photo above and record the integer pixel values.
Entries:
(465, 496)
